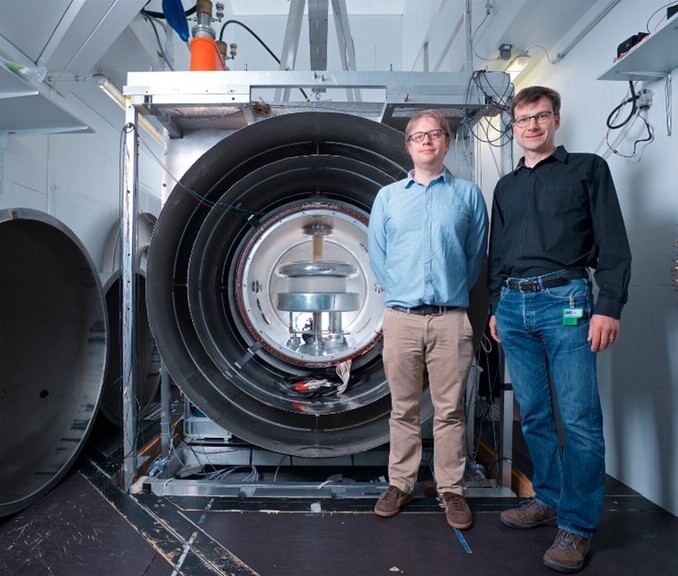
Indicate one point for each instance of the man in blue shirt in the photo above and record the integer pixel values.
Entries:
(427, 243)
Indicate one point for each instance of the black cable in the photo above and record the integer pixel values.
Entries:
(647, 26)
(202, 199)
(635, 112)
(253, 33)
(473, 38)
(634, 108)
(650, 135)
(161, 15)
(157, 37)
(495, 99)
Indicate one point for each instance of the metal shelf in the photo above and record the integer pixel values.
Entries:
(28, 109)
(654, 57)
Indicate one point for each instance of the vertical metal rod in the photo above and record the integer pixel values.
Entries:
(668, 99)
(288, 57)
(506, 156)
(346, 46)
(468, 67)
(3, 145)
(165, 416)
(471, 396)
(318, 14)
(506, 452)
(130, 371)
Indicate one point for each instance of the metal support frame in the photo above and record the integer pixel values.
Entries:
(345, 40)
(505, 455)
(288, 59)
(468, 44)
(3, 145)
(165, 419)
(318, 15)
(130, 372)
(174, 96)
(506, 449)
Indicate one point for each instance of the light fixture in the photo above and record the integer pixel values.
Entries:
(518, 64)
(114, 94)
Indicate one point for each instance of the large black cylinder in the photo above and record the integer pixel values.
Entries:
(266, 231)
(53, 331)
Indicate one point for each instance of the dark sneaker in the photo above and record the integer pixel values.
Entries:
(457, 512)
(567, 552)
(529, 514)
(391, 502)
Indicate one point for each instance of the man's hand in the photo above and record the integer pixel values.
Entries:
(603, 332)
(493, 328)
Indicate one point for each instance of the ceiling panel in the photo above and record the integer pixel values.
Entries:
(29, 24)
(67, 37)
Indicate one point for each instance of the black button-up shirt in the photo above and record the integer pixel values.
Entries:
(562, 213)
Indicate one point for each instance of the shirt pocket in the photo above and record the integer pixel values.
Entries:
(558, 200)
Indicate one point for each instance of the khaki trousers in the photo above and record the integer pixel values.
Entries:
(443, 347)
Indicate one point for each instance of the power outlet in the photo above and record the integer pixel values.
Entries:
(644, 99)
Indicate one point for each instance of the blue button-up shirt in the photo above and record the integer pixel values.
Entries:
(427, 244)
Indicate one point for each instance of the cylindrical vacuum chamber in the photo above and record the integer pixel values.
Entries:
(53, 334)
(259, 285)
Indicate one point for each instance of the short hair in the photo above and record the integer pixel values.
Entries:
(532, 94)
(442, 122)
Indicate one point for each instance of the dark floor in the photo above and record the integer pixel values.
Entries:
(87, 526)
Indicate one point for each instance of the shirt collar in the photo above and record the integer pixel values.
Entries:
(445, 174)
(559, 154)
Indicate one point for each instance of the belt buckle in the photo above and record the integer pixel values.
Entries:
(528, 286)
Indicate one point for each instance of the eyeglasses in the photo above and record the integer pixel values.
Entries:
(541, 118)
(436, 134)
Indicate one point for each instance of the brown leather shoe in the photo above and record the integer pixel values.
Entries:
(567, 553)
(457, 512)
(529, 514)
(391, 502)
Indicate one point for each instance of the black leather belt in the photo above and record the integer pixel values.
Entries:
(538, 283)
(425, 309)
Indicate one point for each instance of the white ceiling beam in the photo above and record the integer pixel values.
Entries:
(84, 34)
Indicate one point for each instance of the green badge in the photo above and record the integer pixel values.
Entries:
(571, 316)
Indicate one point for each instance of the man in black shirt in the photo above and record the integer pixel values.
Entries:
(553, 218)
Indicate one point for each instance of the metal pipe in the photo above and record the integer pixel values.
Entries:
(129, 204)
(53, 337)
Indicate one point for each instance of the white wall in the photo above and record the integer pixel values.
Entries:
(75, 177)
(639, 375)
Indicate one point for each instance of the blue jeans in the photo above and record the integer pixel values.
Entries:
(569, 474)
